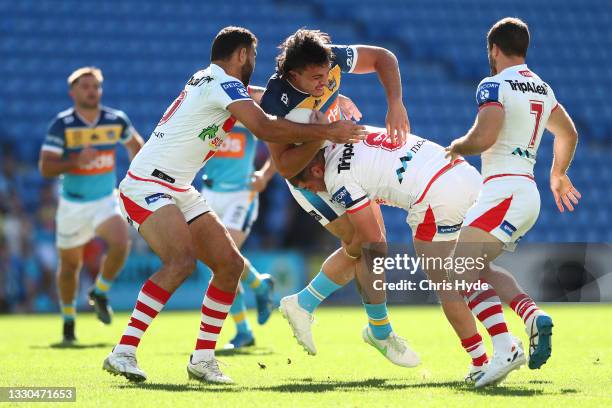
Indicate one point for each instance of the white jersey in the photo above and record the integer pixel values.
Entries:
(377, 170)
(527, 102)
(192, 128)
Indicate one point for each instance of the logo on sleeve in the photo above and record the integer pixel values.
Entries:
(488, 92)
(507, 228)
(235, 90)
(342, 197)
(448, 229)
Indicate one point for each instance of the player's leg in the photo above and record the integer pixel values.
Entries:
(67, 280)
(244, 335)
(474, 243)
(453, 304)
(213, 246)
(164, 228)
(538, 324)
(114, 232)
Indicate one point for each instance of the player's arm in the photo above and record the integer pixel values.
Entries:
(384, 63)
(256, 92)
(481, 136)
(367, 231)
(566, 138)
(134, 144)
(52, 164)
(290, 159)
(278, 130)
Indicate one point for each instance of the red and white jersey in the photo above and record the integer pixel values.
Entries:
(376, 169)
(527, 102)
(192, 128)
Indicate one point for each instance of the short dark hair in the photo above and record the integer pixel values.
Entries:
(228, 40)
(511, 35)
(303, 174)
(304, 48)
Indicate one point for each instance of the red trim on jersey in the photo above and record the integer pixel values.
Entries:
(180, 190)
(555, 108)
(359, 207)
(508, 175)
(492, 103)
(136, 212)
(437, 176)
(228, 124)
(493, 217)
(427, 229)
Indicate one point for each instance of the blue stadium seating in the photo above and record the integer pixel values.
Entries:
(148, 48)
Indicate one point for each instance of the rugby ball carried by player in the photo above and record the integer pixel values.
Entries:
(299, 115)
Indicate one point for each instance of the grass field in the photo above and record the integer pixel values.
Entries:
(276, 372)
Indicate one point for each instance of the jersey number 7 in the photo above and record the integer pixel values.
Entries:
(537, 107)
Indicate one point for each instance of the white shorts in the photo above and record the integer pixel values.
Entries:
(237, 210)
(507, 207)
(437, 215)
(77, 221)
(139, 197)
(320, 205)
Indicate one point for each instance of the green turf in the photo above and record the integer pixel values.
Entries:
(346, 372)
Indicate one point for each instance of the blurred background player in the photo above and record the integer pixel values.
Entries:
(514, 107)
(308, 76)
(231, 188)
(80, 148)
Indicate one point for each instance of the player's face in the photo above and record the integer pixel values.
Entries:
(86, 92)
(313, 79)
(315, 180)
(249, 66)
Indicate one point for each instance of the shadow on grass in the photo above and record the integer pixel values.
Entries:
(245, 351)
(74, 346)
(308, 385)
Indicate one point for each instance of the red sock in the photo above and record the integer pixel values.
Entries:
(524, 306)
(476, 349)
(151, 300)
(215, 306)
(486, 306)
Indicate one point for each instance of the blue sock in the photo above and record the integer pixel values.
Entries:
(68, 310)
(378, 320)
(317, 290)
(102, 285)
(252, 279)
(238, 312)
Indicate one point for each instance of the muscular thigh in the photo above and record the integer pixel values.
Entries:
(167, 233)
(212, 243)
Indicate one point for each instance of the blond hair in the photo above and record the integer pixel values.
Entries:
(78, 73)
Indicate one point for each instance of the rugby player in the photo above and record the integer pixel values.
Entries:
(80, 148)
(158, 199)
(309, 73)
(414, 176)
(515, 106)
(231, 188)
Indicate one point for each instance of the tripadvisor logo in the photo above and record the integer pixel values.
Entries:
(209, 132)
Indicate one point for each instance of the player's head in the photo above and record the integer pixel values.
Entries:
(508, 38)
(85, 87)
(312, 177)
(305, 60)
(236, 45)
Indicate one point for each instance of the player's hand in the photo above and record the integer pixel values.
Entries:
(345, 131)
(398, 125)
(566, 195)
(451, 151)
(86, 156)
(258, 181)
(348, 108)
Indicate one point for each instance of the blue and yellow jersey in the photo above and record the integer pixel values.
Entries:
(68, 134)
(281, 97)
(230, 169)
